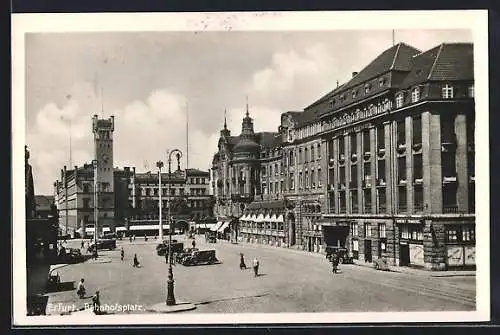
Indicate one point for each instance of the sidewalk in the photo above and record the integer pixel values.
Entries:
(400, 269)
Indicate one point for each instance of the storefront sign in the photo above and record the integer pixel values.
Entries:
(416, 254)
(350, 117)
(455, 255)
(413, 221)
(470, 255)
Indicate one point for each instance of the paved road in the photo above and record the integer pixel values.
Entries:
(290, 281)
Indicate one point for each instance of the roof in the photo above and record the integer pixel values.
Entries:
(43, 202)
(269, 139)
(196, 172)
(246, 144)
(396, 58)
(232, 140)
(448, 61)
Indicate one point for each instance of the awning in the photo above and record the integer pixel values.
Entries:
(253, 217)
(260, 218)
(243, 217)
(121, 228)
(273, 218)
(106, 230)
(280, 218)
(267, 218)
(148, 227)
(89, 230)
(205, 225)
(217, 225)
(223, 227)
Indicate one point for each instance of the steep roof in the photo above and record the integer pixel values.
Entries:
(43, 202)
(196, 172)
(269, 139)
(274, 204)
(395, 58)
(448, 61)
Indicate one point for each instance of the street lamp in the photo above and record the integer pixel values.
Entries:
(159, 164)
(94, 164)
(170, 282)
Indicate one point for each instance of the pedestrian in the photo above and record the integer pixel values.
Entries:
(82, 245)
(145, 237)
(80, 289)
(96, 303)
(166, 257)
(256, 266)
(193, 243)
(136, 261)
(335, 263)
(134, 237)
(130, 238)
(122, 253)
(242, 262)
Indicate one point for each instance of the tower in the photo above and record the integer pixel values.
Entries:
(103, 152)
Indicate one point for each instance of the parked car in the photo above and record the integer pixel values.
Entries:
(211, 237)
(342, 253)
(162, 248)
(200, 257)
(109, 244)
(184, 253)
(71, 256)
(110, 236)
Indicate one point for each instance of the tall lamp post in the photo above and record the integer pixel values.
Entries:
(159, 164)
(94, 164)
(170, 282)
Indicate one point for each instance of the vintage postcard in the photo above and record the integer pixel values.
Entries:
(250, 168)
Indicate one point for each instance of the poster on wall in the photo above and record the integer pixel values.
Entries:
(455, 255)
(417, 254)
(470, 255)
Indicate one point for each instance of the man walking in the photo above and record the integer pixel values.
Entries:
(96, 302)
(80, 289)
(136, 261)
(256, 267)
(122, 253)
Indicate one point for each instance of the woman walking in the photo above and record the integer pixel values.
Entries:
(242, 262)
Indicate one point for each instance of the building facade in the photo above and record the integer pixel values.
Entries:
(399, 139)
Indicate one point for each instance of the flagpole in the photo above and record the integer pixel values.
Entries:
(187, 136)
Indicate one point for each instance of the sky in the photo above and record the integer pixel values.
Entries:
(150, 81)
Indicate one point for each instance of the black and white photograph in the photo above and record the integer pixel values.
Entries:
(250, 168)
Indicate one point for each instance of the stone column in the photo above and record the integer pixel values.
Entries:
(461, 164)
(373, 172)
(336, 180)
(431, 163)
(434, 245)
(359, 170)
(247, 181)
(347, 166)
(409, 164)
(389, 169)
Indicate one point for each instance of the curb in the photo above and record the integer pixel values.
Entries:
(162, 307)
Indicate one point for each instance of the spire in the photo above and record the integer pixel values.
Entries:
(247, 113)
(225, 118)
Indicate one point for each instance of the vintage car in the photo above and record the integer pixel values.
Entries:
(211, 237)
(184, 253)
(381, 264)
(70, 256)
(198, 257)
(162, 248)
(342, 253)
(109, 244)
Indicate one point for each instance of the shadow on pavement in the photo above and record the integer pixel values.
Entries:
(232, 298)
(62, 287)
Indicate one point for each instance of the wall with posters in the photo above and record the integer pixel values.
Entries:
(416, 254)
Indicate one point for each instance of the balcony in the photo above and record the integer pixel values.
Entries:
(450, 209)
(354, 157)
(381, 152)
(449, 180)
(419, 207)
(402, 182)
(341, 158)
(401, 148)
(367, 155)
(331, 162)
(417, 147)
(381, 182)
(418, 181)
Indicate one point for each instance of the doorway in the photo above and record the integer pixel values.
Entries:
(368, 251)
(404, 255)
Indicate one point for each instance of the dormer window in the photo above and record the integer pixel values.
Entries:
(447, 92)
(331, 102)
(470, 91)
(381, 82)
(368, 87)
(354, 94)
(415, 94)
(399, 100)
(342, 98)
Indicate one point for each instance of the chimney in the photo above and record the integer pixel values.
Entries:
(354, 74)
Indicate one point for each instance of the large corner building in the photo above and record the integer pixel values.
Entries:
(382, 165)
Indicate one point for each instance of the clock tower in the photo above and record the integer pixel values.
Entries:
(103, 154)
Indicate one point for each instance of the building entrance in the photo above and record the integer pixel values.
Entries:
(368, 251)
(404, 255)
(336, 235)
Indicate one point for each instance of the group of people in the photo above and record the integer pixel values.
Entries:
(96, 300)
(255, 264)
(136, 260)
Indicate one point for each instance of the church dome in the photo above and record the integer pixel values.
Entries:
(246, 145)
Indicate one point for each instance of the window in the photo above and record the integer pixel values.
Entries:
(354, 177)
(307, 180)
(354, 94)
(366, 140)
(402, 199)
(86, 202)
(381, 200)
(447, 92)
(342, 202)
(354, 202)
(301, 184)
(415, 94)
(367, 195)
(354, 143)
(368, 87)
(452, 235)
(368, 230)
(468, 234)
(318, 150)
(292, 181)
(401, 132)
(319, 177)
(276, 169)
(470, 91)
(85, 188)
(301, 159)
(381, 172)
(312, 153)
(417, 130)
(341, 147)
(419, 198)
(292, 159)
(276, 187)
(399, 100)
(381, 82)
(313, 180)
(382, 230)
(306, 158)
(380, 137)
(354, 229)
(401, 170)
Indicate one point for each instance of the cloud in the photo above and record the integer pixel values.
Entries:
(309, 71)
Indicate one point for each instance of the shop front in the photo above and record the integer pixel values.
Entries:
(411, 242)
